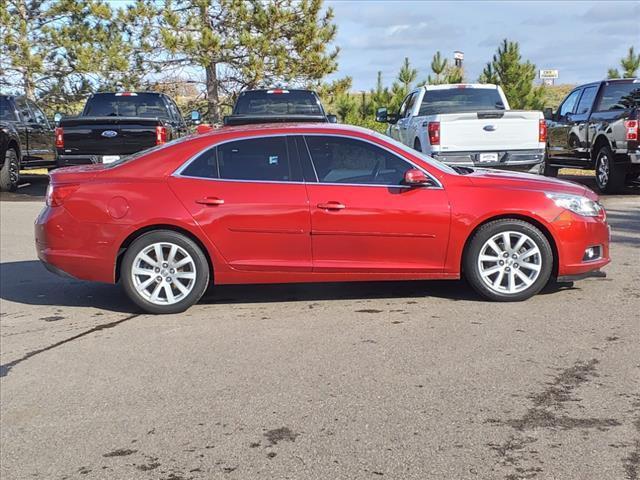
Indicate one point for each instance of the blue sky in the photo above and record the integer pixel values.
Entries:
(581, 39)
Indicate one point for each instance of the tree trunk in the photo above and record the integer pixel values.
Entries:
(213, 98)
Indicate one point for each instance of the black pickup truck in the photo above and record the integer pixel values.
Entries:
(26, 140)
(277, 105)
(113, 125)
(596, 127)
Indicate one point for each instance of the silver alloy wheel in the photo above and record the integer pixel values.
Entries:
(509, 262)
(603, 170)
(163, 273)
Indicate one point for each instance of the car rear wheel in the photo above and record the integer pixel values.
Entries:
(548, 170)
(508, 260)
(164, 272)
(10, 172)
(609, 177)
(416, 145)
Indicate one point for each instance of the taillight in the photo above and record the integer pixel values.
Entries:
(542, 131)
(433, 129)
(59, 133)
(632, 129)
(57, 194)
(161, 135)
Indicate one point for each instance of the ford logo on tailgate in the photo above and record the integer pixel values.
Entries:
(489, 128)
(109, 134)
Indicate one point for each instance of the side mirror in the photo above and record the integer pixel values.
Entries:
(203, 128)
(332, 118)
(57, 117)
(381, 115)
(548, 113)
(195, 117)
(416, 178)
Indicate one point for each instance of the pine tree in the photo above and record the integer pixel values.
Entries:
(514, 76)
(235, 44)
(58, 51)
(630, 65)
(438, 67)
(407, 75)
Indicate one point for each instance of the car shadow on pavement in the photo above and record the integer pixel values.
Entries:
(590, 181)
(29, 283)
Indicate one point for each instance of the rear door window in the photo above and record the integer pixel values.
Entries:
(256, 159)
(586, 100)
(204, 165)
(619, 96)
(7, 113)
(352, 161)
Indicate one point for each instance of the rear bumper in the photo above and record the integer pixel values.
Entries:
(73, 249)
(507, 159)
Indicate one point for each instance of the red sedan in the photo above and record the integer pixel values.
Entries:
(312, 203)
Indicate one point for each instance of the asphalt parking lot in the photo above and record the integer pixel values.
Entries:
(399, 380)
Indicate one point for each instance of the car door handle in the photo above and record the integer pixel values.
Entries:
(332, 206)
(210, 201)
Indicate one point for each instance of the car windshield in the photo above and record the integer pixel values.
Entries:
(459, 100)
(145, 105)
(6, 110)
(425, 158)
(277, 102)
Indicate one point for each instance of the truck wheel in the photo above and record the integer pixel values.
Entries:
(416, 145)
(164, 272)
(609, 176)
(547, 170)
(508, 260)
(10, 172)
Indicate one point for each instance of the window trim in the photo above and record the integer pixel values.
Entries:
(178, 171)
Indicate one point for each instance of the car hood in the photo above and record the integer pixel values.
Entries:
(527, 181)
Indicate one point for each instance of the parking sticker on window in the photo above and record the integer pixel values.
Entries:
(273, 160)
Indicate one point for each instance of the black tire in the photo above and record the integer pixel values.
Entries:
(487, 232)
(547, 170)
(609, 176)
(416, 145)
(10, 172)
(200, 265)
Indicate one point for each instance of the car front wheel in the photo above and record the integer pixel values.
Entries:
(164, 272)
(508, 260)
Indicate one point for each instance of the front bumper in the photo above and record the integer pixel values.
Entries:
(507, 159)
(575, 234)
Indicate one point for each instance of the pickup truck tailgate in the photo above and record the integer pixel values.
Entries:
(489, 131)
(108, 135)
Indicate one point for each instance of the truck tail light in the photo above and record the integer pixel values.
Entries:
(161, 135)
(433, 129)
(542, 131)
(632, 129)
(59, 133)
(56, 194)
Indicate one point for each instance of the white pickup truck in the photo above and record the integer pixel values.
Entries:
(468, 125)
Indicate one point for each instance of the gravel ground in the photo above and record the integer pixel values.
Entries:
(401, 380)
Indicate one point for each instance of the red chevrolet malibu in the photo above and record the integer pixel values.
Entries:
(311, 203)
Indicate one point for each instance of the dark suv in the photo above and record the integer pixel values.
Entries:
(596, 127)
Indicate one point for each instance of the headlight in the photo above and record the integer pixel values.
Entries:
(576, 203)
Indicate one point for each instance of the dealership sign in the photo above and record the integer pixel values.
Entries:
(548, 74)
